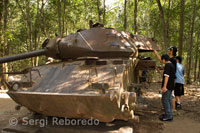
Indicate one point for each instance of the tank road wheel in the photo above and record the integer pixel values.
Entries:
(15, 86)
(18, 107)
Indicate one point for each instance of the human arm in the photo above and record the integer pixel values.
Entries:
(157, 55)
(166, 76)
(164, 88)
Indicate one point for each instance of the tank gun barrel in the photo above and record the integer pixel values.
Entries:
(23, 56)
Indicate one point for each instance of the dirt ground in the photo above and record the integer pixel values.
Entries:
(186, 120)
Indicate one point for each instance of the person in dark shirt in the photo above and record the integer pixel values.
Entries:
(172, 54)
(167, 87)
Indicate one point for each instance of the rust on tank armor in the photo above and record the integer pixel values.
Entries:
(97, 76)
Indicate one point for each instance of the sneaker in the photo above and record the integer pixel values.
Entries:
(178, 106)
(166, 119)
(176, 103)
(161, 116)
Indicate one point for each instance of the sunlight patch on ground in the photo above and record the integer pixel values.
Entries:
(4, 95)
(152, 95)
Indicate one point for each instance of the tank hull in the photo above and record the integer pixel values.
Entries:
(99, 107)
(81, 89)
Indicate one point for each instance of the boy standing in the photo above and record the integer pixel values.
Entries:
(167, 87)
(179, 82)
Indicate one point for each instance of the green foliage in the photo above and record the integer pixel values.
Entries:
(77, 15)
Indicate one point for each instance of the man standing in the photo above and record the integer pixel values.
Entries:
(167, 87)
(172, 54)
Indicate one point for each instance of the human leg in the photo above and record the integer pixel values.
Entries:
(173, 104)
(178, 92)
(167, 104)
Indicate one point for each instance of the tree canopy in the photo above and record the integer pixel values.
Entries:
(25, 24)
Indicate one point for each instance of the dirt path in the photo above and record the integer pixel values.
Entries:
(7, 110)
(182, 125)
(187, 120)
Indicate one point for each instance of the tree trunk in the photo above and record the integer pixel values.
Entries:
(98, 10)
(26, 22)
(5, 65)
(86, 11)
(125, 17)
(199, 71)
(1, 26)
(63, 26)
(59, 17)
(191, 44)
(196, 59)
(1, 36)
(187, 47)
(167, 21)
(43, 20)
(164, 27)
(195, 66)
(104, 11)
(180, 47)
(37, 31)
(29, 21)
(135, 17)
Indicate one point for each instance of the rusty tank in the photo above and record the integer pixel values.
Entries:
(97, 75)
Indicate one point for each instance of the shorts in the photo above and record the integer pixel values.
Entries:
(179, 89)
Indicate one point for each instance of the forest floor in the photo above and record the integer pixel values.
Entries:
(187, 120)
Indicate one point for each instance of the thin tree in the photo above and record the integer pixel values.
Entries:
(198, 77)
(29, 21)
(63, 19)
(135, 17)
(38, 28)
(168, 19)
(125, 15)
(104, 11)
(98, 10)
(5, 65)
(180, 47)
(164, 27)
(1, 36)
(44, 20)
(196, 58)
(59, 17)
(1, 24)
(191, 43)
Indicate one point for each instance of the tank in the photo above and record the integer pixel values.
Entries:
(97, 76)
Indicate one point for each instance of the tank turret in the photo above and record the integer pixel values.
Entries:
(97, 42)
